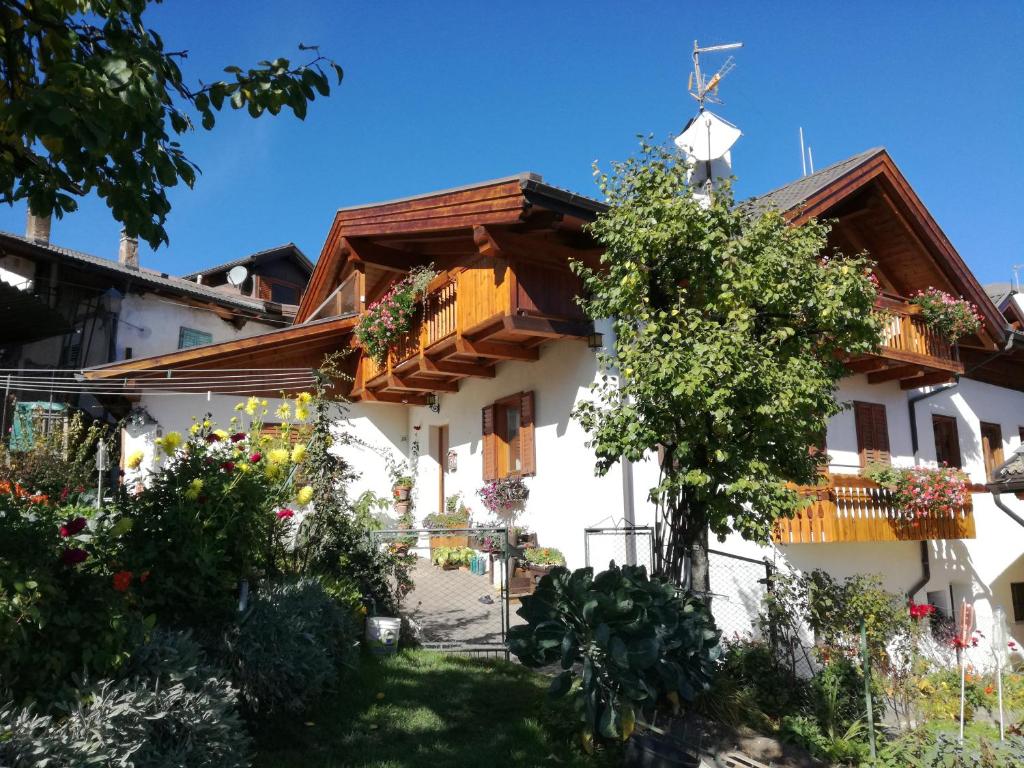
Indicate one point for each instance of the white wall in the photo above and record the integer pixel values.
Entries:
(161, 318)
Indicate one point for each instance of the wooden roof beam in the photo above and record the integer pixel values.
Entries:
(927, 380)
(427, 365)
(365, 251)
(897, 372)
(394, 381)
(496, 350)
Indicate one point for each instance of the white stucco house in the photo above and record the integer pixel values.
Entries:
(484, 385)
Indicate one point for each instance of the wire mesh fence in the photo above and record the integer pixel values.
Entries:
(459, 598)
(630, 545)
(738, 588)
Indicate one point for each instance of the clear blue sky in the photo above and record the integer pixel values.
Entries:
(446, 93)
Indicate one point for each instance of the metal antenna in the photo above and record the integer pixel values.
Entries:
(705, 90)
(1016, 277)
(803, 153)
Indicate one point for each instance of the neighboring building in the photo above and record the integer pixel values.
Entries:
(65, 310)
(277, 274)
(484, 385)
(1009, 301)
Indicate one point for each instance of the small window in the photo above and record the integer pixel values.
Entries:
(872, 433)
(284, 293)
(1017, 595)
(947, 441)
(991, 447)
(190, 337)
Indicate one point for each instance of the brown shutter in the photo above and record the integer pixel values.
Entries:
(490, 444)
(527, 444)
(991, 447)
(872, 433)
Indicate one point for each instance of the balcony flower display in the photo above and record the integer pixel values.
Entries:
(505, 496)
(924, 491)
(390, 317)
(950, 317)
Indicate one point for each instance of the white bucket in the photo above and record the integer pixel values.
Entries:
(382, 635)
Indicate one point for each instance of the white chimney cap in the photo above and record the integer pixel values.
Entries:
(707, 137)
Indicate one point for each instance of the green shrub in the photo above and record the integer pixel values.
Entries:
(289, 646)
(544, 556)
(847, 748)
(752, 687)
(173, 711)
(61, 612)
(637, 641)
(923, 748)
(452, 557)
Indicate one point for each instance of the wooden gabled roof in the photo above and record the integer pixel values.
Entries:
(508, 201)
(877, 210)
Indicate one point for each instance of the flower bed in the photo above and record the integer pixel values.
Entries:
(924, 491)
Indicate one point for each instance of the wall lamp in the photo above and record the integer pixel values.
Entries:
(434, 402)
(595, 340)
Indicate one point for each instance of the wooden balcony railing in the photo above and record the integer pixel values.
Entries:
(906, 337)
(851, 508)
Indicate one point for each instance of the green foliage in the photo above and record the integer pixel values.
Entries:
(544, 556)
(332, 543)
(751, 687)
(924, 748)
(92, 101)
(288, 646)
(59, 619)
(637, 643)
(729, 330)
(173, 711)
(390, 318)
(456, 518)
(847, 748)
(60, 463)
(452, 557)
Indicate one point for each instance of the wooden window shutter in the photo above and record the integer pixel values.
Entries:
(872, 433)
(991, 447)
(527, 444)
(490, 444)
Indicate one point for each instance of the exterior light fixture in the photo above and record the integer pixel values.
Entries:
(595, 340)
(434, 402)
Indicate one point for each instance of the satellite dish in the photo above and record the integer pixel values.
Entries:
(237, 275)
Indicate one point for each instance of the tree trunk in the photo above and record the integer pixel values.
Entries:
(700, 572)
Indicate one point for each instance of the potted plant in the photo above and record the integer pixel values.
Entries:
(390, 317)
(948, 316)
(543, 559)
(924, 491)
(401, 489)
(451, 558)
(505, 497)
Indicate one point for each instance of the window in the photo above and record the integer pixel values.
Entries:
(508, 444)
(991, 446)
(872, 433)
(947, 441)
(190, 337)
(1017, 596)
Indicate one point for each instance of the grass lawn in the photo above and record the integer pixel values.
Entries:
(420, 709)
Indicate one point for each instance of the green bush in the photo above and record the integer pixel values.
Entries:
(173, 711)
(638, 643)
(923, 748)
(61, 612)
(289, 646)
(752, 687)
(452, 557)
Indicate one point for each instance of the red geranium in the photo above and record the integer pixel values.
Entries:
(123, 580)
(283, 514)
(920, 610)
(72, 526)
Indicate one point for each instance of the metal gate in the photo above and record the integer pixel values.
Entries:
(459, 597)
(738, 588)
(629, 545)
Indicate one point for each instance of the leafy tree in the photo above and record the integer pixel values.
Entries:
(730, 329)
(90, 101)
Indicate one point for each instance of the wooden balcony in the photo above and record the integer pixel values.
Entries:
(473, 318)
(850, 508)
(911, 353)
